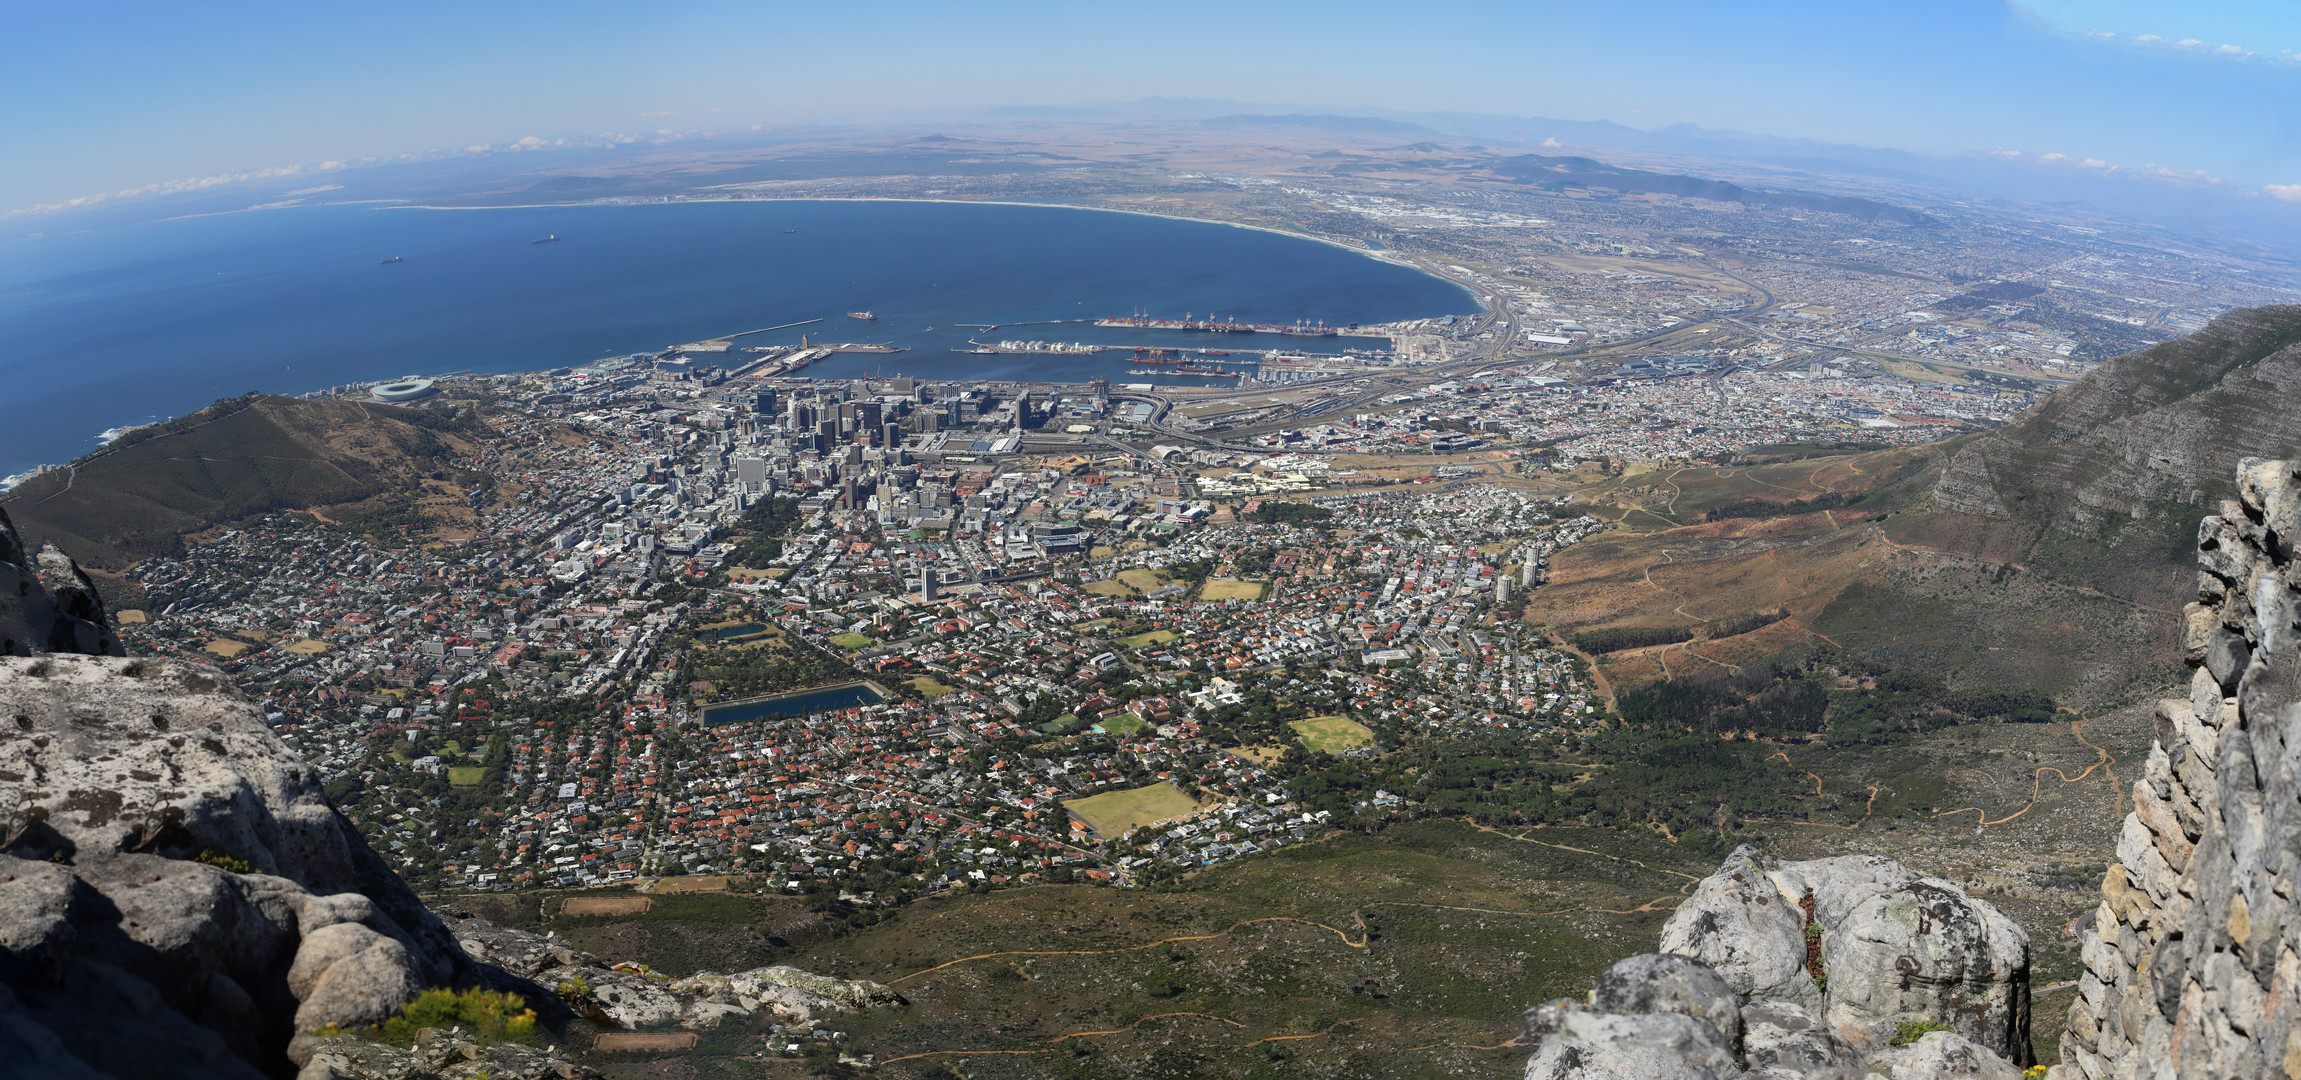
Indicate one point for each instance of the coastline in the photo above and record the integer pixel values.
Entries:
(30, 470)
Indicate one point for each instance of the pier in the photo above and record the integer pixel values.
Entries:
(764, 329)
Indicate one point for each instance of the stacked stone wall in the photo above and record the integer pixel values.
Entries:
(2193, 959)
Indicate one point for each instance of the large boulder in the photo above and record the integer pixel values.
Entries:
(1923, 950)
(1779, 1035)
(1577, 1044)
(141, 960)
(1894, 946)
(1662, 983)
(1739, 923)
(1941, 1055)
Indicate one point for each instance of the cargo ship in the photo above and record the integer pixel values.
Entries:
(863, 315)
(389, 261)
(552, 239)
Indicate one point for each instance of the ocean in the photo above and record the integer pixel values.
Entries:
(127, 325)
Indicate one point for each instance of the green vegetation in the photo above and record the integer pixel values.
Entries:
(1743, 624)
(1427, 932)
(1774, 508)
(1155, 637)
(221, 861)
(853, 641)
(485, 1016)
(1910, 1031)
(761, 531)
(1618, 638)
(1289, 513)
(465, 776)
(928, 686)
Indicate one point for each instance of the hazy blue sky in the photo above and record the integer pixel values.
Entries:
(99, 97)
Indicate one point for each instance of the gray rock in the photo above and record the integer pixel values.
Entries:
(1739, 924)
(1656, 1046)
(321, 949)
(1780, 1035)
(634, 1000)
(437, 1055)
(857, 994)
(1663, 983)
(1926, 951)
(1941, 1055)
(530, 956)
(361, 988)
(47, 604)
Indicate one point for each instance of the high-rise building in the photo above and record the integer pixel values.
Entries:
(927, 584)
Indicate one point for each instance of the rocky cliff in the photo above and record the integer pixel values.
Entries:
(2193, 960)
(179, 900)
(47, 605)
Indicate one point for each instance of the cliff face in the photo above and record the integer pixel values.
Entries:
(2120, 462)
(2193, 960)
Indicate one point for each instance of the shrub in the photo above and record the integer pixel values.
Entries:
(1910, 1031)
(485, 1016)
(1616, 639)
(221, 861)
(575, 989)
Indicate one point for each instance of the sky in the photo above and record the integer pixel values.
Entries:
(99, 98)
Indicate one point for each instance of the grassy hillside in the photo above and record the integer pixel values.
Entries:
(243, 456)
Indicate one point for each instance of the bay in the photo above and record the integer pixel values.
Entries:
(137, 323)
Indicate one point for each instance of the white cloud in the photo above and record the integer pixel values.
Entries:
(2191, 45)
(2283, 192)
(2195, 178)
(1551, 144)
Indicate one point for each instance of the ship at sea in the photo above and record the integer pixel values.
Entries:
(389, 261)
(863, 315)
(552, 239)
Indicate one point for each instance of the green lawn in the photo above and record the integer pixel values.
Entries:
(926, 684)
(853, 641)
(1332, 734)
(1155, 637)
(1124, 724)
(465, 775)
(1114, 812)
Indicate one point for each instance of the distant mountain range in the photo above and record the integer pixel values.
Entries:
(1582, 172)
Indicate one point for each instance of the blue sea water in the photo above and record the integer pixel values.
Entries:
(137, 323)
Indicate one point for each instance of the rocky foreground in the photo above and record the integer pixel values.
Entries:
(1844, 967)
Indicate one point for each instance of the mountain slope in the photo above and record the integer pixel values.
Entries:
(248, 455)
(2053, 554)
